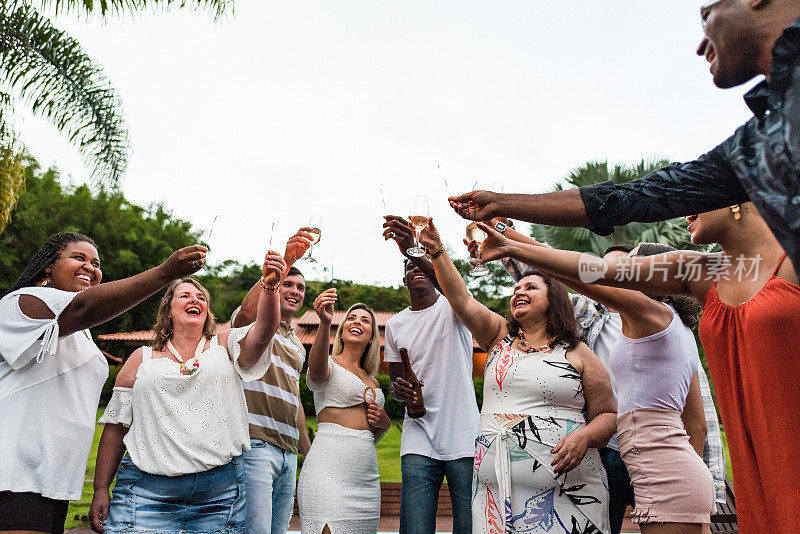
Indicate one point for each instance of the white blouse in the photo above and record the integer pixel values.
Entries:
(186, 423)
(49, 390)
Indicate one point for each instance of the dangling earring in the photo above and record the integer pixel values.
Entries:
(735, 210)
(46, 281)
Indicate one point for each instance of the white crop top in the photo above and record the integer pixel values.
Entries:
(342, 390)
(655, 371)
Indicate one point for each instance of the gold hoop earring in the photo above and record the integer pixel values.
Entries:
(735, 210)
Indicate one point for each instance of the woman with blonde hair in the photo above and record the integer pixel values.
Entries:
(338, 490)
(178, 408)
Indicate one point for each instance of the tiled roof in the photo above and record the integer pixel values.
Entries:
(310, 318)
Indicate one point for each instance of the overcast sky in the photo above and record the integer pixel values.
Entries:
(283, 110)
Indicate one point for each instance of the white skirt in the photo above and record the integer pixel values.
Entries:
(339, 484)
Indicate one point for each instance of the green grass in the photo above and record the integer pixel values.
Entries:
(388, 467)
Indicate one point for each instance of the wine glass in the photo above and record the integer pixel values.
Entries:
(476, 234)
(420, 220)
(316, 233)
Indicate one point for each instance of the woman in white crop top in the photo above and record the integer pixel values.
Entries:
(178, 407)
(51, 372)
(655, 364)
(338, 491)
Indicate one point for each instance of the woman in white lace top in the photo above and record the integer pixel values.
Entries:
(338, 492)
(178, 407)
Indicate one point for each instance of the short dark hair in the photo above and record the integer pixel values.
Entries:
(294, 271)
(561, 324)
(688, 308)
(621, 247)
(46, 255)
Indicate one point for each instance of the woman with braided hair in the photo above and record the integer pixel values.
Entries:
(51, 372)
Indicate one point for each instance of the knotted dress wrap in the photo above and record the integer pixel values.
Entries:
(531, 401)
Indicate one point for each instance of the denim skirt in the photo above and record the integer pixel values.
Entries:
(212, 501)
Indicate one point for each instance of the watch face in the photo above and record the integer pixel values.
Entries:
(500, 227)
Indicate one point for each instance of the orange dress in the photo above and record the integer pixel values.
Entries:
(753, 352)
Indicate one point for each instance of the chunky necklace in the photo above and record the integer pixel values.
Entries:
(196, 365)
(526, 347)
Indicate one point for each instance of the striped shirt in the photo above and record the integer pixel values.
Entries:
(273, 400)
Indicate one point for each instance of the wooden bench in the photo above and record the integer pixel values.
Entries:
(724, 519)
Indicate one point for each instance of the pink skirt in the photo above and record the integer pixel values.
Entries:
(671, 484)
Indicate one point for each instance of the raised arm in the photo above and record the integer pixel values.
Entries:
(484, 324)
(295, 248)
(676, 190)
(268, 313)
(100, 303)
(683, 272)
(318, 370)
(402, 232)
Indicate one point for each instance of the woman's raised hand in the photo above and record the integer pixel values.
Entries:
(377, 418)
(184, 261)
(323, 305)
(496, 246)
(273, 268)
(429, 237)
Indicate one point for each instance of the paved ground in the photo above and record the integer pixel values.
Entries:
(387, 524)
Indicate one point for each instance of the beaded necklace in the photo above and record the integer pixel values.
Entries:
(527, 348)
(198, 351)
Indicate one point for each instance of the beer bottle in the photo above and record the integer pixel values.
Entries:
(416, 408)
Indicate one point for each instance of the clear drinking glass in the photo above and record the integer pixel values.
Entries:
(476, 234)
(316, 233)
(420, 220)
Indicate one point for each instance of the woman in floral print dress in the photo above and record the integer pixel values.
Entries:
(547, 408)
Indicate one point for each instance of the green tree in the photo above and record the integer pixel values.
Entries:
(672, 232)
(130, 238)
(48, 70)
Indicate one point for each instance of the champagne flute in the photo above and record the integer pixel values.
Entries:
(316, 233)
(476, 234)
(420, 220)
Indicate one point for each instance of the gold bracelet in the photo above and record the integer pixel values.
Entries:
(436, 253)
(268, 288)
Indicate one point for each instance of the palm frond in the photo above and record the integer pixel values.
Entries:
(119, 7)
(50, 71)
(12, 182)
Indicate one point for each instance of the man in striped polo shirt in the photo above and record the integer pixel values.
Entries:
(277, 421)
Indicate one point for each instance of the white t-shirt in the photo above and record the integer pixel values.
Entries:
(602, 347)
(49, 390)
(440, 351)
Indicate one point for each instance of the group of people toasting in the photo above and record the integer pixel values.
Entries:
(204, 424)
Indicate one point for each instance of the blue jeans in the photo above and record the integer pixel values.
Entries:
(210, 501)
(270, 476)
(619, 487)
(419, 496)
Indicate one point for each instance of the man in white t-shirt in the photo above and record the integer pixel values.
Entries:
(442, 442)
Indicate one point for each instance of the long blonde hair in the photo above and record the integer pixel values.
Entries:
(371, 359)
(163, 326)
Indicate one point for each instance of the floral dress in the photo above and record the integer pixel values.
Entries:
(531, 401)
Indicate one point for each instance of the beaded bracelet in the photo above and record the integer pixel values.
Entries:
(268, 288)
(436, 253)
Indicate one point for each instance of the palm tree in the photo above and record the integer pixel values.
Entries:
(672, 232)
(47, 70)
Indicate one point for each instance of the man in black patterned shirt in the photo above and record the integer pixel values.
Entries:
(759, 162)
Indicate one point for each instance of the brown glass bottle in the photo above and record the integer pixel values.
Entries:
(415, 409)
